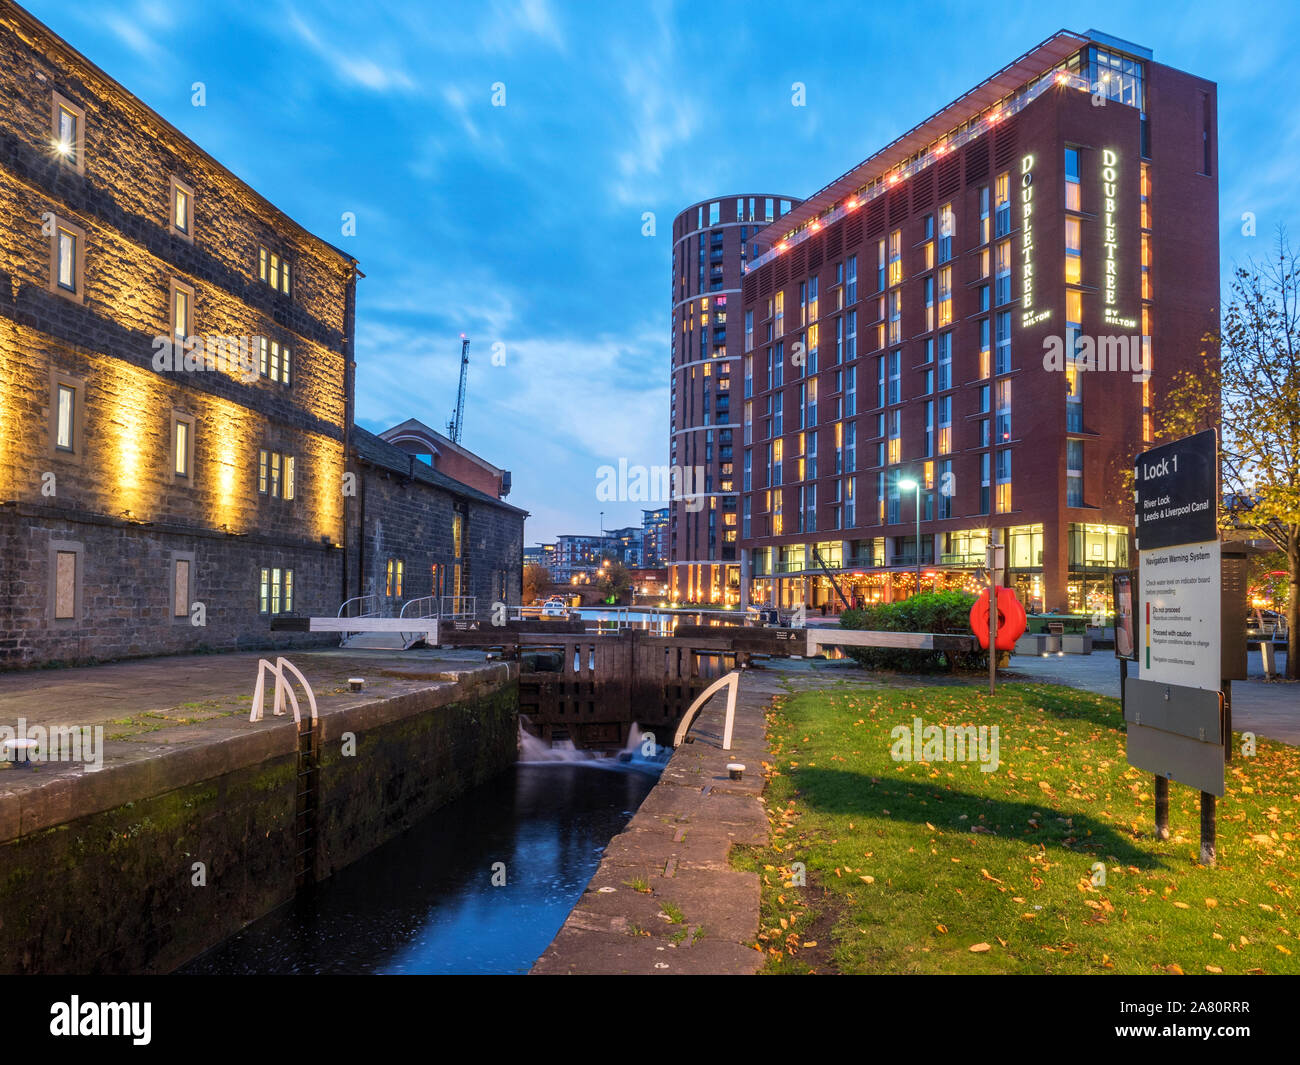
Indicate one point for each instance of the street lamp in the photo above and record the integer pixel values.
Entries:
(911, 483)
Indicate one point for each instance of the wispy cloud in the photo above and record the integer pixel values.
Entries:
(377, 75)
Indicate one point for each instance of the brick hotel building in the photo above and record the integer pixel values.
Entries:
(712, 241)
(896, 329)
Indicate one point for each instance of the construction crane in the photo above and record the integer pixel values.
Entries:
(457, 422)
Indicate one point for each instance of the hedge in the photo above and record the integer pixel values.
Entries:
(936, 612)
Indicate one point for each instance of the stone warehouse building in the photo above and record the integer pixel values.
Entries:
(416, 532)
(176, 385)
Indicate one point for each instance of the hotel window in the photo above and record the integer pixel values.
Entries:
(182, 445)
(812, 299)
(945, 296)
(273, 269)
(1004, 482)
(929, 303)
(1003, 363)
(986, 433)
(749, 330)
(851, 447)
(851, 285)
(1146, 196)
(1146, 266)
(945, 424)
(182, 310)
(880, 266)
(1073, 252)
(947, 229)
(749, 421)
(984, 221)
(68, 130)
(776, 459)
(896, 257)
(275, 474)
(895, 316)
(985, 347)
(181, 211)
(985, 483)
(715, 213)
(894, 509)
(1002, 223)
(929, 429)
(851, 392)
(1004, 411)
(880, 381)
(880, 317)
(851, 337)
(803, 303)
(1074, 308)
(1072, 196)
(895, 375)
(745, 520)
(945, 361)
(895, 436)
(778, 414)
(1074, 473)
(67, 259)
(780, 313)
(850, 504)
(984, 399)
(1003, 279)
(394, 575)
(945, 489)
(276, 591)
(748, 471)
(880, 498)
(274, 358)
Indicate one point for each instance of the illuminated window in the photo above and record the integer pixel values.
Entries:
(275, 474)
(182, 444)
(1003, 279)
(1003, 206)
(181, 213)
(1146, 197)
(67, 259)
(394, 576)
(275, 591)
(68, 138)
(274, 359)
(273, 268)
(1073, 252)
(65, 417)
(1146, 266)
(895, 316)
(985, 347)
(1073, 306)
(880, 266)
(947, 230)
(182, 302)
(984, 223)
(945, 296)
(896, 257)
(780, 313)
(1072, 195)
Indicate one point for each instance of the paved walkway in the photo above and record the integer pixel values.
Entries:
(1267, 708)
(694, 914)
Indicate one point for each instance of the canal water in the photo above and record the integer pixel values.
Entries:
(426, 902)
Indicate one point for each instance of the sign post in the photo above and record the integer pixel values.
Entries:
(1175, 711)
(994, 555)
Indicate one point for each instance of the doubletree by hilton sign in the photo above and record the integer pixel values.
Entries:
(1029, 314)
(1110, 241)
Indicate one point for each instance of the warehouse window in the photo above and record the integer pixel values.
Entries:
(67, 258)
(275, 591)
(273, 268)
(181, 212)
(68, 132)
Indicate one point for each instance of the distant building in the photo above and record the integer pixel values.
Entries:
(654, 538)
(628, 540)
(541, 555)
(580, 556)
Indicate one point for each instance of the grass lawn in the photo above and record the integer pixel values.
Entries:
(939, 867)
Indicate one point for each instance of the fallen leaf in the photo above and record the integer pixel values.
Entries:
(980, 948)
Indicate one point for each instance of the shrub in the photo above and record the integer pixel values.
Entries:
(936, 612)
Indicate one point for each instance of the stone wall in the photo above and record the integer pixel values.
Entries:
(115, 892)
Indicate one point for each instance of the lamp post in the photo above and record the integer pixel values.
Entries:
(915, 483)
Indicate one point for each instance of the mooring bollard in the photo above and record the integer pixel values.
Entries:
(736, 769)
(356, 683)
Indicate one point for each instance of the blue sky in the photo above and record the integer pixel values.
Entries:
(521, 225)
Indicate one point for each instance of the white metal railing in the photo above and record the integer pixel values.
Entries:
(359, 606)
(458, 606)
(425, 606)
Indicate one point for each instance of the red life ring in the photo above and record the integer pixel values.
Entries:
(1011, 619)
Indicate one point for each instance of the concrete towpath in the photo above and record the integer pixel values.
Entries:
(665, 899)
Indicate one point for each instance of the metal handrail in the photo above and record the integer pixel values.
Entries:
(361, 612)
(427, 607)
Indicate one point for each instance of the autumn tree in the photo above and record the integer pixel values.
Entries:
(614, 581)
(1256, 396)
(537, 579)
